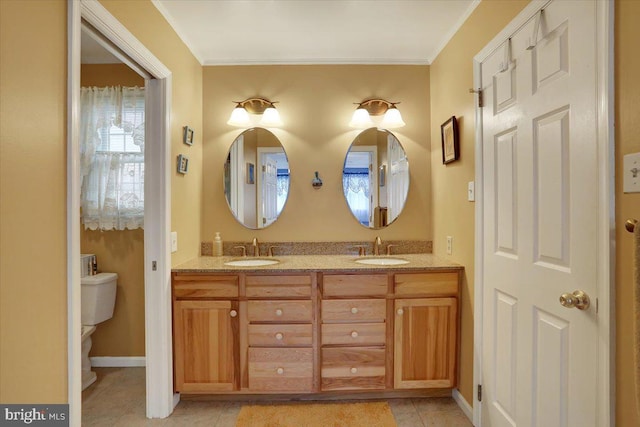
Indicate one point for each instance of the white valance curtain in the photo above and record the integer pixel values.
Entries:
(112, 157)
(356, 188)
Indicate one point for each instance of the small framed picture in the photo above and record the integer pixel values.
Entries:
(450, 143)
(187, 135)
(251, 173)
(183, 164)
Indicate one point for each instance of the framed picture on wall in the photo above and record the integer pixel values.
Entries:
(187, 135)
(450, 143)
(183, 164)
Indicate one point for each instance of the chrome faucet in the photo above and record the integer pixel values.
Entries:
(256, 247)
(376, 245)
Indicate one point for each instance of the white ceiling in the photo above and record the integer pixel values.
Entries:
(315, 31)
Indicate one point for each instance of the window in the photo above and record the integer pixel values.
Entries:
(112, 146)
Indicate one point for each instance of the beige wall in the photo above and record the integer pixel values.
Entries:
(316, 103)
(120, 252)
(33, 75)
(627, 119)
(33, 276)
(147, 24)
(453, 215)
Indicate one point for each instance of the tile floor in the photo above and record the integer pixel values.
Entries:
(117, 398)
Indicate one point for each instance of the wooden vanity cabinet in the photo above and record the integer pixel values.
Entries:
(316, 332)
(353, 331)
(280, 317)
(425, 330)
(206, 333)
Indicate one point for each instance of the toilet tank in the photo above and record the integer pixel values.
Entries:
(98, 297)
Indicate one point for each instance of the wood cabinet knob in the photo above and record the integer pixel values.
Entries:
(233, 313)
(400, 312)
(354, 310)
(354, 334)
(279, 336)
(278, 312)
(354, 370)
(280, 371)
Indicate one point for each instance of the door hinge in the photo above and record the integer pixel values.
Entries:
(480, 97)
(479, 392)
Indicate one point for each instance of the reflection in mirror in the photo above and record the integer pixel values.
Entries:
(256, 178)
(375, 178)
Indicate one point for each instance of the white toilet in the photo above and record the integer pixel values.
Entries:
(98, 300)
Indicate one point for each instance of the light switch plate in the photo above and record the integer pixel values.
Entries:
(631, 173)
(174, 241)
(471, 191)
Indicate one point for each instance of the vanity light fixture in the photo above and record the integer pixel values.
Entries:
(240, 116)
(377, 107)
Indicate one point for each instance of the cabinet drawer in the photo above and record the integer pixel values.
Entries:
(296, 286)
(350, 368)
(354, 310)
(280, 335)
(340, 285)
(281, 369)
(280, 311)
(203, 286)
(426, 284)
(353, 334)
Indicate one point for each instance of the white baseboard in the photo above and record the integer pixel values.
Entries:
(463, 404)
(120, 362)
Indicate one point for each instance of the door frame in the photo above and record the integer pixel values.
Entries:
(606, 212)
(160, 399)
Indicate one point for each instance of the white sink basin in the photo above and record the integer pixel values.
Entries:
(382, 261)
(251, 262)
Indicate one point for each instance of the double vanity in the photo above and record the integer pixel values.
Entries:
(316, 325)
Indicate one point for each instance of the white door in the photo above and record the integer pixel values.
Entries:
(540, 184)
(269, 191)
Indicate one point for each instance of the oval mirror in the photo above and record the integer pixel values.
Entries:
(375, 178)
(256, 178)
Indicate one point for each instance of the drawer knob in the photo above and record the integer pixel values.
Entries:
(354, 310)
(233, 313)
(278, 312)
(280, 371)
(354, 370)
(354, 334)
(279, 336)
(400, 312)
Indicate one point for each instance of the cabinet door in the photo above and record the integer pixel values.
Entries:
(425, 341)
(206, 348)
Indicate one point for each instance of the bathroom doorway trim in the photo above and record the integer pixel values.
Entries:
(160, 399)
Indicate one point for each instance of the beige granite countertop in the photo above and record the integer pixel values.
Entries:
(308, 263)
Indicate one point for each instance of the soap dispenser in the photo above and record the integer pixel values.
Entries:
(217, 245)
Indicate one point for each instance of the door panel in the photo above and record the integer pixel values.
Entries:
(540, 218)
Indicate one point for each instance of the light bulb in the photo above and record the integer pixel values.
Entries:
(392, 119)
(360, 119)
(271, 117)
(239, 117)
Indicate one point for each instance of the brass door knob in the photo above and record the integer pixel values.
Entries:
(577, 299)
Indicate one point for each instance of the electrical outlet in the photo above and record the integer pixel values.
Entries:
(174, 241)
(449, 245)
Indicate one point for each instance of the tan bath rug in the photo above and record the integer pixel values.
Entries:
(365, 414)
